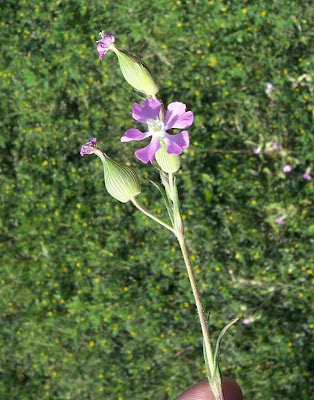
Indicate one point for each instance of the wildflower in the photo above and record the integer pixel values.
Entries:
(275, 146)
(287, 169)
(135, 72)
(246, 321)
(279, 221)
(257, 150)
(307, 177)
(176, 117)
(121, 181)
(269, 87)
(105, 44)
(89, 147)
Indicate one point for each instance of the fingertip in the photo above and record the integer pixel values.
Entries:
(202, 391)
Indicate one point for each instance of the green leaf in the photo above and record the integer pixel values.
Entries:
(166, 199)
(221, 335)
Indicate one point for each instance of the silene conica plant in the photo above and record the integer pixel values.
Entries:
(123, 184)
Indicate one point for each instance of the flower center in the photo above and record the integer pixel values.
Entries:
(156, 127)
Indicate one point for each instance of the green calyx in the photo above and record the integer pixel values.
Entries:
(169, 163)
(136, 73)
(121, 181)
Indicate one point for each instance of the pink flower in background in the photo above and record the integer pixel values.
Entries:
(279, 221)
(257, 150)
(269, 86)
(105, 43)
(275, 146)
(176, 117)
(307, 177)
(89, 147)
(287, 169)
(246, 321)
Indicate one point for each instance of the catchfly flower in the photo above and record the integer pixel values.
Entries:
(287, 169)
(105, 43)
(89, 147)
(279, 221)
(135, 71)
(307, 177)
(176, 117)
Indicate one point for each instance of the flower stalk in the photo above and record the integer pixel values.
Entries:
(212, 372)
(152, 216)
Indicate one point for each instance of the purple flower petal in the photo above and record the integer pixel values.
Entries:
(257, 150)
(150, 110)
(89, 147)
(246, 321)
(287, 169)
(279, 221)
(307, 177)
(134, 134)
(275, 146)
(176, 143)
(148, 153)
(269, 86)
(105, 43)
(176, 116)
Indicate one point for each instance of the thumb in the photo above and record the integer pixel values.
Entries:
(202, 391)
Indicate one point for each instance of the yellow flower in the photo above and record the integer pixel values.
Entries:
(212, 61)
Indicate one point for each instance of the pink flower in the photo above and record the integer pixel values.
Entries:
(176, 117)
(275, 146)
(307, 177)
(257, 150)
(89, 147)
(246, 321)
(287, 169)
(269, 86)
(105, 43)
(279, 221)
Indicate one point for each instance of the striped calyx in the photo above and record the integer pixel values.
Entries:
(121, 181)
(136, 73)
(169, 163)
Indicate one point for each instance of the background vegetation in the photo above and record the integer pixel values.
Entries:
(95, 301)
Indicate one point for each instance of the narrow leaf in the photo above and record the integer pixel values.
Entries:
(221, 335)
(166, 200)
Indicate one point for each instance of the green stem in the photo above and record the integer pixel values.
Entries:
(198, 302)
(150, 215)
(214, 379)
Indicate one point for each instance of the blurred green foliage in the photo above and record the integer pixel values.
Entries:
(95, 301)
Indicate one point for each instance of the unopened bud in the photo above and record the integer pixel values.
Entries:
(136, 73)
(169, 163)
(121, 181)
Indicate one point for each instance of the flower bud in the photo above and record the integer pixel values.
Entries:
(121, 181)
(169, 163)
(136, 73)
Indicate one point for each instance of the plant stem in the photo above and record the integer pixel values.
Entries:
(214, 378)
(150, 215)
(198, 302)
